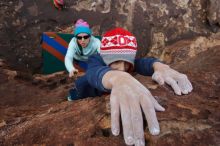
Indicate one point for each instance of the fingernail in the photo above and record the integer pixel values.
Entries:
(140, 143)
(115, 132)
(185, 92)
(178, 92)
(162, 109)
(154, 131)
(129, 140)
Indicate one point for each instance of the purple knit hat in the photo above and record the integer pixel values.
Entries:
(82, 26)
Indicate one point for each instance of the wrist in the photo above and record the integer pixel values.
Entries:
(112, 78)
(120, 77)
(159, 65)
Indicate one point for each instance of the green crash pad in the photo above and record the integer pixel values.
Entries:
(54, 47)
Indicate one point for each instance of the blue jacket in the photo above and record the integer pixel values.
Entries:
(90, 85)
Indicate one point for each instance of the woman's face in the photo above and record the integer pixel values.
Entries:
(120, 65)
(83, 39)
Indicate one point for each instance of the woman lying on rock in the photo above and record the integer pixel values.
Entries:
(108, 72)
(82, 45)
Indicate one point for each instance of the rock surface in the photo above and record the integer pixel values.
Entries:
(182, 33)
(33, 109)
(155, 23)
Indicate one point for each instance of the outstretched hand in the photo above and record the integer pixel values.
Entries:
(73, 73)
(178, 81)
(128, 97)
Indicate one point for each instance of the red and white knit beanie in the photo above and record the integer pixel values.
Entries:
(118, 44)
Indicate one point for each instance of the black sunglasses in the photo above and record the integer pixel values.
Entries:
(85, 37)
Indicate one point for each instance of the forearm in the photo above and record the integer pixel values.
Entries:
(69, 56)
(144, 66)
(69, 63)
(95, 75)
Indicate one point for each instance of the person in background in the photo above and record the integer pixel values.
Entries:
(81, 46)
(58, 4)
(110, 72)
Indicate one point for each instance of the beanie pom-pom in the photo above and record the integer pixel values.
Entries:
(81, 22)
(82, 26)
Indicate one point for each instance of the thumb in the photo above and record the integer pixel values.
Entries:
(158, 78)
(70, 74)
(157, 106)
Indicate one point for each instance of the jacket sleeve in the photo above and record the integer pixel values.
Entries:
(68, 61)
(95, 72)
(83, 89)
(144, 66)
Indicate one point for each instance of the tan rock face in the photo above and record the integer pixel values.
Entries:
(37, 112)
(183, 50)
(155, 23)
(214, 14)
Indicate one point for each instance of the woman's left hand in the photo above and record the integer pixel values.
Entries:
(73, 73)
(178, 81)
